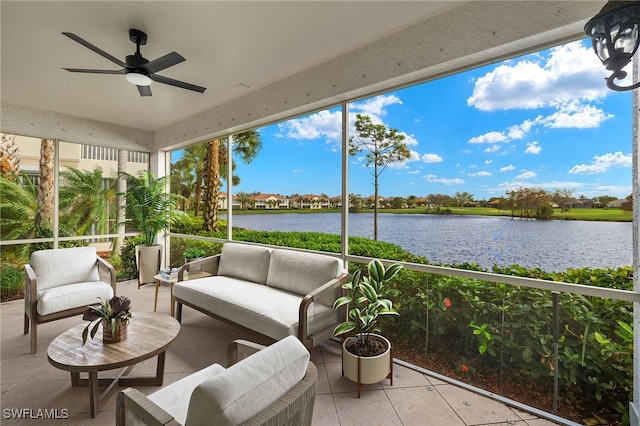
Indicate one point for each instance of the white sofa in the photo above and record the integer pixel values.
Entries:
(275, 386)
(273, 292)
(61, 283)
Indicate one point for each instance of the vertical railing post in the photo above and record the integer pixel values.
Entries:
(556, 343)
(634, 406)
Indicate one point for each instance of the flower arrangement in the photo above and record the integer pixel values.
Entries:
(112, 312)
(366, 304)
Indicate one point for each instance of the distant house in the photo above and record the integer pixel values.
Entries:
(617, 204)
(270, 202)
(578, 203)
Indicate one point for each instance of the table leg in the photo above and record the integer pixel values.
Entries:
(173, 301)
(160, 369)
(75, 379)
(93, 393)
(155, 304)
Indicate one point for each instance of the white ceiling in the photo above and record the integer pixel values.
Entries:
(260, 61)
(231, 48)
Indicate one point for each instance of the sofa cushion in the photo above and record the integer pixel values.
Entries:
(250, 386)
(300, 272)
(267, 310)
(61, 298)
(245, 262)
(174, 398)
(56, 267)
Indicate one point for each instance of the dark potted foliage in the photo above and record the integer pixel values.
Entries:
(366, 356)
(114, 316)
(151, 209)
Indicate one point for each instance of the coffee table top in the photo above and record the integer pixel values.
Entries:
(148, 334)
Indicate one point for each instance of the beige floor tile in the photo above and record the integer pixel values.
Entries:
(372, 405)
(339, 383)
(324, 412)
(420, 406)
(475, 409)
(405, 377)
(323, 380)
(540, 422)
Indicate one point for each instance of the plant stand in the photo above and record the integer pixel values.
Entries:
(368, 370)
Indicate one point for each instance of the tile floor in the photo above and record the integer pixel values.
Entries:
(29, 382)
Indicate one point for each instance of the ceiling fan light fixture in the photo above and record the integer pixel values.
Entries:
(138, 79)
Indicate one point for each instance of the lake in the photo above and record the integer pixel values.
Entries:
(552, 245)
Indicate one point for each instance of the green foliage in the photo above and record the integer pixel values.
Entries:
(365, 300)
(11, 281)
(151, 209)
(128, 269)
(113, 311)
(193, 252)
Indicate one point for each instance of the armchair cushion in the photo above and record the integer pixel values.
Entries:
(248, 387)
(60, 267)
(57, 299)
(301, 273)
(174, 398)
(245, 262)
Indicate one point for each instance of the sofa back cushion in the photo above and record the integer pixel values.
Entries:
(244, 262)
(247, 388)
(56, 267)
(301, 273)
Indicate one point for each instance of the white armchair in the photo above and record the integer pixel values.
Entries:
(273, 386)
(60, 283)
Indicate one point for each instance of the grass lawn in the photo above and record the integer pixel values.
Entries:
(607, 215)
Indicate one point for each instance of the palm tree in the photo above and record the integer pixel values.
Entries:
(9, 157)
(246, 146)
(86, 201)
(44, 213)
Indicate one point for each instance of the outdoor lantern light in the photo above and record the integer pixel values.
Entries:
(138, 79)
(614, 35)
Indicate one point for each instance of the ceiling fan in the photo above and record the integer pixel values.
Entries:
(136, 68)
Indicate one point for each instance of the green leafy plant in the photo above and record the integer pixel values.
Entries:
(366, 303)
(150, 207)
(114, 311)
(193, 253)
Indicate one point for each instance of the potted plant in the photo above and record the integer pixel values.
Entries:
(193, 253)
(151, 209)
(114, 316)
(366, 356)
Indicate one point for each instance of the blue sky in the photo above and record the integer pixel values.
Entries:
(544, 120)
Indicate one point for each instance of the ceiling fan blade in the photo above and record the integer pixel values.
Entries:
(95, 49)
(162, 63)
(144, 90)
(122, 71)
(177, 83)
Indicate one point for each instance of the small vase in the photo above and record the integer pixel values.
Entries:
(120, 334)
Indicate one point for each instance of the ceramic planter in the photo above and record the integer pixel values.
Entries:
(367, 370)
(148, 262)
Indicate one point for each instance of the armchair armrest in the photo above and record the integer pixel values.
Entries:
(208, 264)
(103, 264)
(145, 411)
(30, 287)
(241, 349)
(326, 293)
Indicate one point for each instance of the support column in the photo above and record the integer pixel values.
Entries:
(634, 407)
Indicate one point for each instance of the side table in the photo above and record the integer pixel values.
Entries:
(171, 281)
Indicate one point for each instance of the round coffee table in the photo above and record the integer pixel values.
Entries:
(149, 334)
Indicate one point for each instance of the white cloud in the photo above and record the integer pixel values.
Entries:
(322, 124)
(507, 168)
(491, 137)
(526, 175)
(493, 148)
(445, 181)
(574, 115)
(480, 174)
(602, 163)
(533, 148)
(431, 158)
(519, 131)
(571, 71)
(376, 106)
(514, 185)
(414, 172)
(488, 161)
